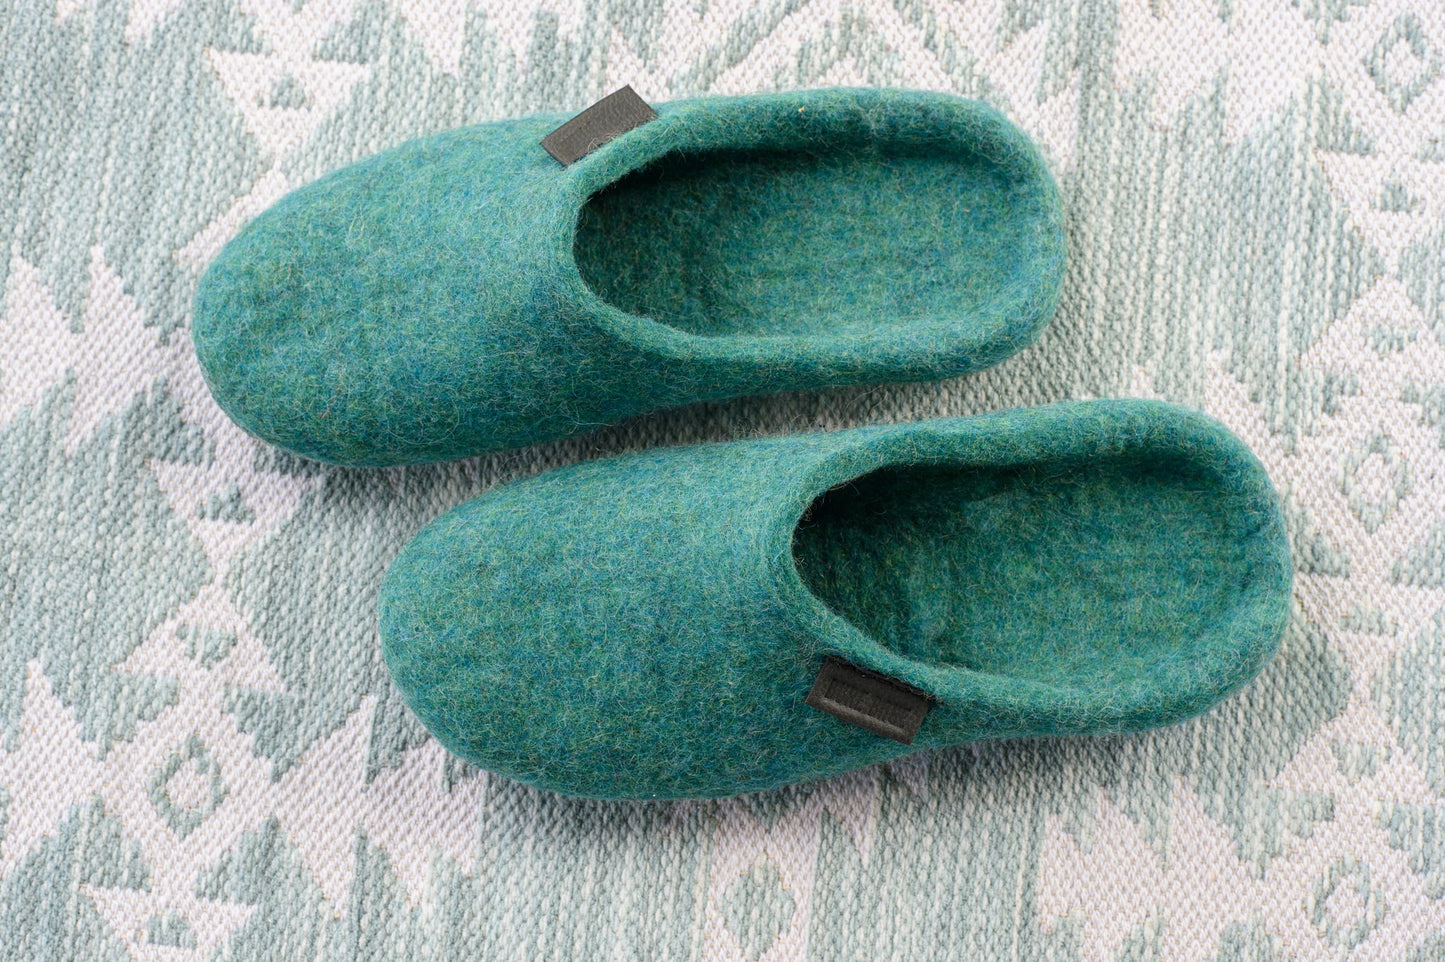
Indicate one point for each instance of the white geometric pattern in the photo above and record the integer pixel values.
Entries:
(1370, 476)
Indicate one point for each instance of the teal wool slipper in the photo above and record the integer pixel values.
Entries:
(468, 292)
(712, 620)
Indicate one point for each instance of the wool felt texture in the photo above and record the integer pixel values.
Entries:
(649, 626)
(465, 292)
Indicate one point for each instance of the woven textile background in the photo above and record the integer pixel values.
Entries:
(201, 755)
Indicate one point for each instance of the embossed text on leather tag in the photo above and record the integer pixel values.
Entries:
(613, 115)
(882, 705)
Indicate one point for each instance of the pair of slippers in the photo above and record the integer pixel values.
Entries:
(711, 620)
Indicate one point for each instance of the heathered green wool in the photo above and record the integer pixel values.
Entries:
(466, 292)
(649, 625)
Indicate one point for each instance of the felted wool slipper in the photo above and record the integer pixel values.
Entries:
(468, 292)
(712, 620)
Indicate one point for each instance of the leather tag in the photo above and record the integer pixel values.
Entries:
(882, 705)
(613, 115)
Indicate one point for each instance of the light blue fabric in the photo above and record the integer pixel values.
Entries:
(1235, 244)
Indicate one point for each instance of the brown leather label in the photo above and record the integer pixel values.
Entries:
(613, 115)
(882, 705)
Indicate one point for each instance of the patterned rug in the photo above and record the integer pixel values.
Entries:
(201, 756)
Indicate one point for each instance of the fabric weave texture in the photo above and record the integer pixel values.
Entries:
(201, 755)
